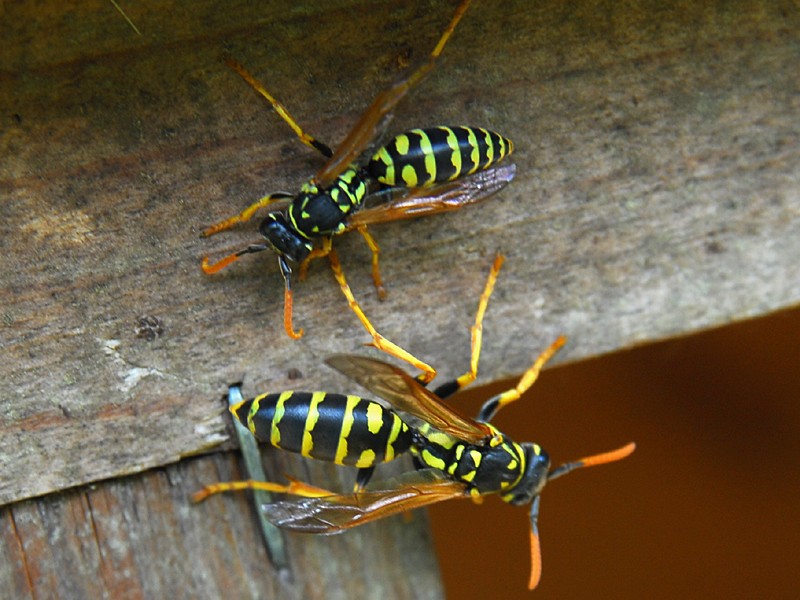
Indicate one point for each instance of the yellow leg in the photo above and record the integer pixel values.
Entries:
(476, 330)
(307, 139)
(246, 214)
(376, 271)
(529, 377)
(380, 342)
(371, 121)
(327, 244)
(294, 487)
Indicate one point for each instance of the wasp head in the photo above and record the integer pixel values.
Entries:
(283, 238)
(537, 463)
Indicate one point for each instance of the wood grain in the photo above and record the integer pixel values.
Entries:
(657, 194)
(138, 537)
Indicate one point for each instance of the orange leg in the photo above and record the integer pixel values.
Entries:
(327, 244)
(376, 271)
(380, 342)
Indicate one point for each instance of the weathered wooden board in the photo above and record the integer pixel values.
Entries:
(139, 538)
(657, 193)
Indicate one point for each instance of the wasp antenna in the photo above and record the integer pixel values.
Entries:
(211, 268)
(536, 551)
(594, 460)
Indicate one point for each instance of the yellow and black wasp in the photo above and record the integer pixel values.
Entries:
(455, 456)
(419, 172)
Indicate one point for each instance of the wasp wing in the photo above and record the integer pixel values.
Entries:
(406, 394)
(333, 514)
(374, 119)
(444, 197)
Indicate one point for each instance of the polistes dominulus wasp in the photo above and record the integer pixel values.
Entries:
(419, 172)
(455, 456)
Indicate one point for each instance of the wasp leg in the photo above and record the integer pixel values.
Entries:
(362, 478)
(288, 300)
(380, 342)
(307, 139)
(476, 335)
(327, 244)
(373, 118)
(294, 487)
(376, 271)
(325, 249)
(246, 214)
(493, 405)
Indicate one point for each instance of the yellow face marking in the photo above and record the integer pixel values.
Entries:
(516, 450)
(374, 417)
(347, 425)
(311, 422)
(367, 459)
(432, 461)
(274, 432)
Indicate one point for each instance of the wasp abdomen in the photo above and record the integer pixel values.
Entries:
(347, 430)
(421, 157)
